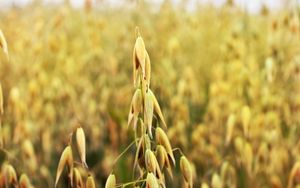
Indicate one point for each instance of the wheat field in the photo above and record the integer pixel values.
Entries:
(77, 108)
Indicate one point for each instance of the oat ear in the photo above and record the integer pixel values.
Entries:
(163, 159)
(139, 58)
(81, 146)
(65, 159)
(141, 53)
(148, 112)
(151, 181)
(139, 150)
(161, 156)
(135, 108)
(90, 182)
(186, 171)
(111, 181)
(146, 103)
(295, 170)
(162, 139)
(10, 174)
(77, 178)
(150, 161)
(157, 109)
(24, 181)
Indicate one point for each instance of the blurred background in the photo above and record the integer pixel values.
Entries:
(251, 6)
(226, 74)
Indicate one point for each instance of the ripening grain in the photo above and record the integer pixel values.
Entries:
(144, 95)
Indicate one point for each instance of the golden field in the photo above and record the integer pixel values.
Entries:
(227, 82)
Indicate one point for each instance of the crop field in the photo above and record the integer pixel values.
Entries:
(149, 96)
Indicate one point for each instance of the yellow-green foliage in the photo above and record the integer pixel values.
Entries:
(227, 82)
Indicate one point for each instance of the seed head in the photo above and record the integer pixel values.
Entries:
(139, 58)
(80, 139)
(111, 181)
(9, 174)
(135, 108)
(186, 171)
(24, 181)
(150, 161)
(151, 181)
(157, 109)
(148, 112)
(161, 156)
(77, 178)
(90, 182)
(65, 159)
(162, 139)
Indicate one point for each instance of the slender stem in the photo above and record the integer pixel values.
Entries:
(143, 184)
(130, 183)
(70, 138)
(81, 164)
(127, 148)
(142, 175)
(178, 149)
(136, 157)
